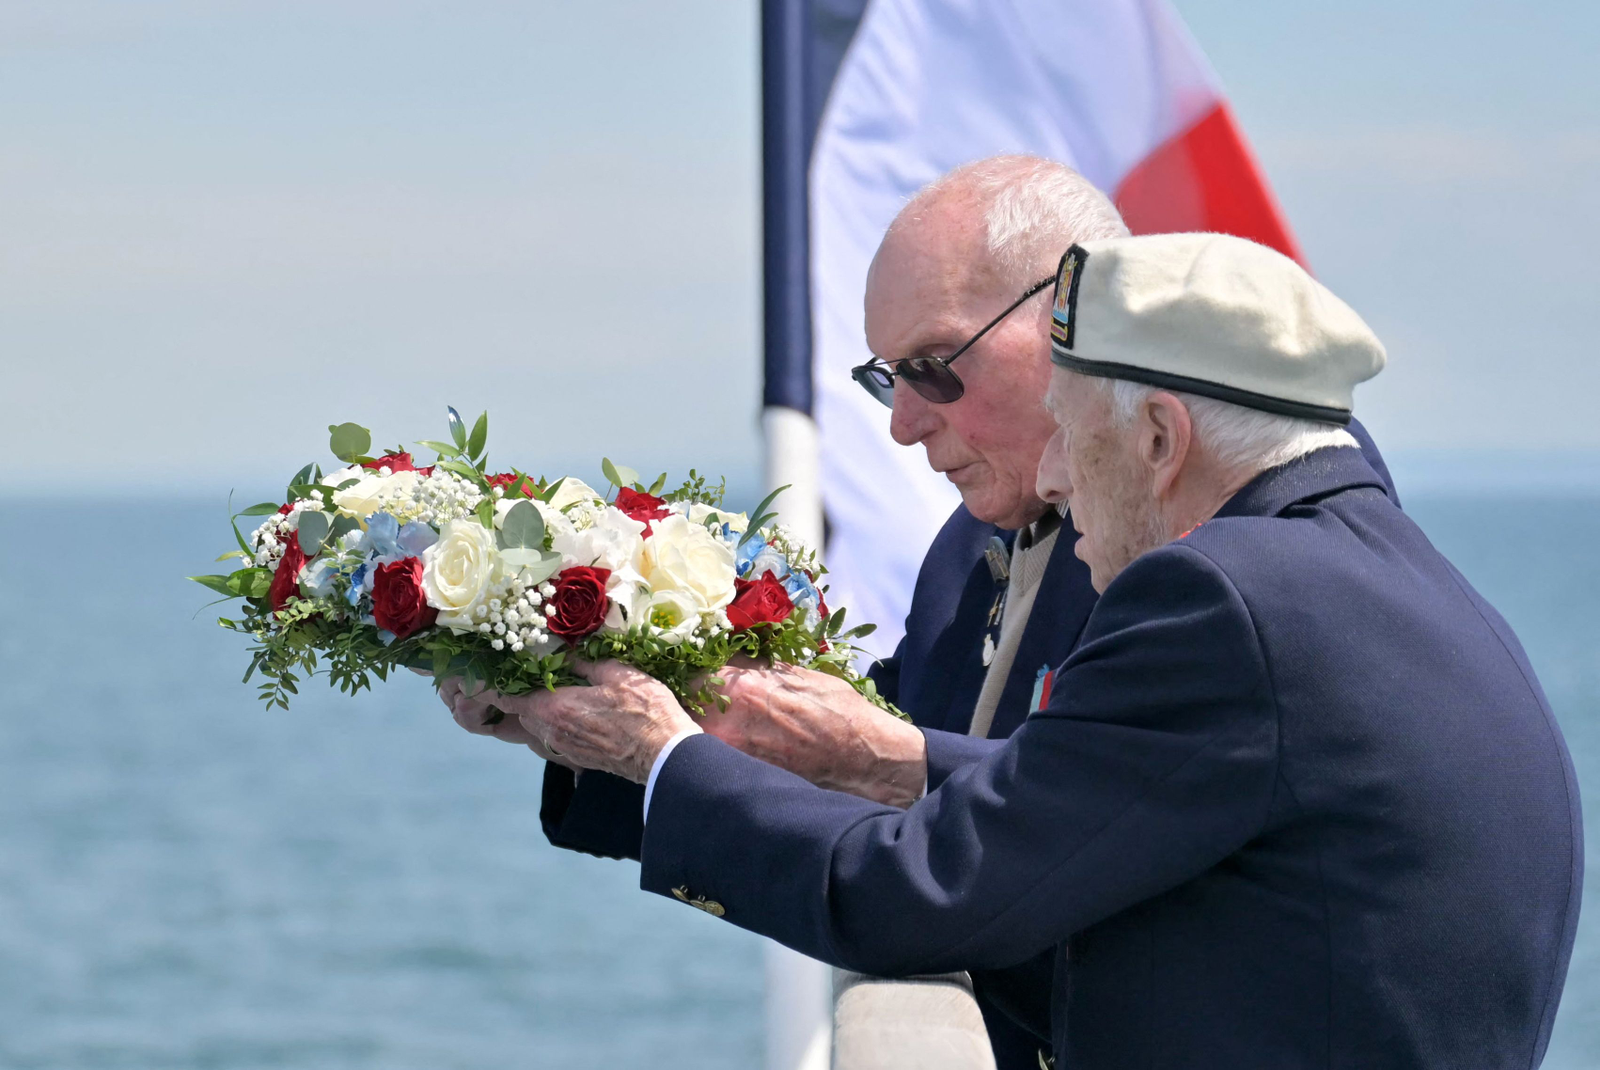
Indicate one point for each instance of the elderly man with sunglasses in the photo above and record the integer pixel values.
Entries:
(958, 314)
(1296, 798)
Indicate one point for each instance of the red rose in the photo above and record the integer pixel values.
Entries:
(286, 581)
(398, 604)
(762, 601)
(513, 483)
(641, 506)
(578, 607)
(398, 462)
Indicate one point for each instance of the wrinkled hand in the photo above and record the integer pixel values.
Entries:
(818, 727)
(483, 714)
(617, 725)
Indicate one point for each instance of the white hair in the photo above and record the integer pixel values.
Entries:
(1033, 209)
(1238, 437)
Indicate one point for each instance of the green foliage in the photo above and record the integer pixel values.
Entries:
(349, 442)
(620, 475)
(761, 518)
(523, 528)
(443, 449)
(696, 489)
(458, 430)
(314, 528)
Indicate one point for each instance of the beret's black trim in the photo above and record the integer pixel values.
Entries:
(1167, 381)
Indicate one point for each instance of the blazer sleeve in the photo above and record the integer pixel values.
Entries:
(949, 751)
(597, 813)
(885, 673)
(1155, 759)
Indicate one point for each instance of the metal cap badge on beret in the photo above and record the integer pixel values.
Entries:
(1213, 315)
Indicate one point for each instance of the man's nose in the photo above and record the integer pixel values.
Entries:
(913, 418)
(1052, 483)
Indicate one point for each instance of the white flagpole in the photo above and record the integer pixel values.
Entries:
(799, 1007)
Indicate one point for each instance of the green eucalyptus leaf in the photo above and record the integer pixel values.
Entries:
(342, 526)
(262, 509)
(620, 475)
(536, 565)
(479, 436)
(314, 528)
(349, 442)
(458, 430)
(522, 528)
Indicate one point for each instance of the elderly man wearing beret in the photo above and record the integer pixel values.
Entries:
(958, 313)
(1296, 799)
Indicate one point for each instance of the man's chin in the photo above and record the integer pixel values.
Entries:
(1010, 514)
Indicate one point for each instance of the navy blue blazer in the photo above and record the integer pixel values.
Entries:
(1297, 801)
(935, 675)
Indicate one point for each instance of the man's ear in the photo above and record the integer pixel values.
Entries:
(1165, 434)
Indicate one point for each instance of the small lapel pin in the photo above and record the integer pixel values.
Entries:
(999, 558)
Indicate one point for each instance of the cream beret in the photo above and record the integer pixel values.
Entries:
(1213, 315)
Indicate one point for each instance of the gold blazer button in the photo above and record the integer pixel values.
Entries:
(699, 902)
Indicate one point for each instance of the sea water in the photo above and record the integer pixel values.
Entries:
(188, 880)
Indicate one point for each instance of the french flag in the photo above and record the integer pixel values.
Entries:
(866, 101)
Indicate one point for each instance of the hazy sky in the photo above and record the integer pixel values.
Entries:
(225, 225)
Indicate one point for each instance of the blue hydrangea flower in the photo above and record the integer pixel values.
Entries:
(415, 538)
(383, 535)
(318, 577)
(745, 555)
(801, 590)
(358, 585)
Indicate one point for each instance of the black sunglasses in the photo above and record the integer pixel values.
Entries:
(930, 376)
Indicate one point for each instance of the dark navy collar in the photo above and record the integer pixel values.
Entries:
(1316, 475)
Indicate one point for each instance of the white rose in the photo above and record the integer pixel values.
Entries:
(671, 615)
(683, 556)
(700, 512)
(458, 572)
(372, 492)
(571, 492)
